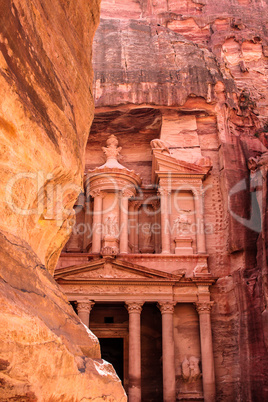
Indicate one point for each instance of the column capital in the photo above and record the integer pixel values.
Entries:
(204, 307)
(126, 193)
(134, 307)
(166, 306)
(135, 204)
(85, 305)
(163, 191)
(96, 193)
(155, 205)
(198, 191)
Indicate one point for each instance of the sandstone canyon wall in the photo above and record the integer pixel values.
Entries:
(202, 65)
(46, 354)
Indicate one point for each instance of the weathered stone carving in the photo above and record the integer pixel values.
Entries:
(260, 162)
(182, 224)
(258, 179)
(110, 238)
(201, 268)
(111, 226)
(160, 144)
(109, 250)
(146, 238)
(73, 243)
(112, 150)
(190, 369)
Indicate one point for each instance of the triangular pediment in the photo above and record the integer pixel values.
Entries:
(165, 163)
(112, 269)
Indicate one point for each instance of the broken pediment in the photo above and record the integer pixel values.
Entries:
(165, 163)
(109, 269)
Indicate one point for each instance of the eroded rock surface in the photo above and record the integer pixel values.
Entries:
(45, 114)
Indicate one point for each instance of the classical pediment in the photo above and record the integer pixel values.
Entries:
(163, 162)
(112, 269)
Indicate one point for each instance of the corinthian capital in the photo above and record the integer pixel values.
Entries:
(134, 307)
(127, 193)
(204, 307)
(162, 191)
(85, 306)
(96, 193)
(166, 306)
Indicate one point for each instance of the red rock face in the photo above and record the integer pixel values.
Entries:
(207, 60)
(46, 109)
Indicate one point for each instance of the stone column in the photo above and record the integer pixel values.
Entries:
(88, 226)
(132, 225)
(123, 246)
(168, 351)
(165, 232)
(97, 221)
(157, 233)
(83, 310)
(208, 375)
(134, 389)
(199, 216)
(137, 229)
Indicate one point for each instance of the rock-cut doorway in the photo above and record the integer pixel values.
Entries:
(112, 350)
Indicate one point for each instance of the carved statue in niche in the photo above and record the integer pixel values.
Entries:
(74, 243)
(147, 234)
(258, 178)
(181, 225)
(146, 238)
(258, 162)
(110, 238)
(190, 369)
(111, 226)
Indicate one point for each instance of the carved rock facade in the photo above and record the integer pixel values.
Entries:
(189, 78)
(143, 247)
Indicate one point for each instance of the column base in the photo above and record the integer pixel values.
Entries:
(183, 246)
(95, 254)
(110, 245)
(134, 394)
(190, 396)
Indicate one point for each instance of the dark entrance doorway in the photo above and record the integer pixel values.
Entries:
(112, 350)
